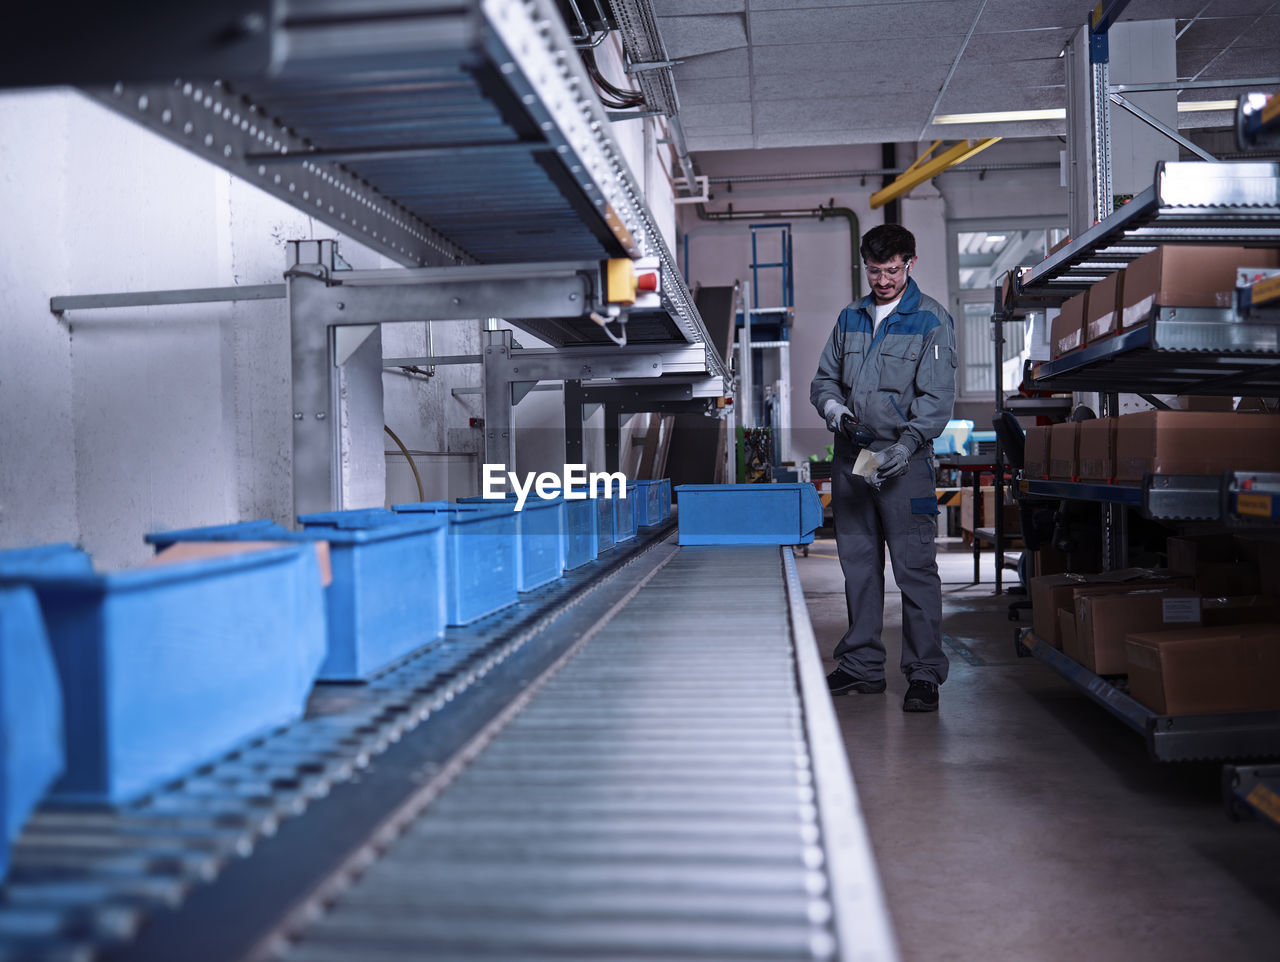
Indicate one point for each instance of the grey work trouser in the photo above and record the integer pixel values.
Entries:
(903, 515)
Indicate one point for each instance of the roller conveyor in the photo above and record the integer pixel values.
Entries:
(670, 793)
(652, 796)
(439, 134)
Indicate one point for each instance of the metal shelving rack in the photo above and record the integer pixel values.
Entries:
(1169, 738)
(1185, 351)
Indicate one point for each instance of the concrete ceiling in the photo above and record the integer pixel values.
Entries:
(789, 73)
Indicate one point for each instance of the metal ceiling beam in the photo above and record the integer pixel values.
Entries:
(949, 158)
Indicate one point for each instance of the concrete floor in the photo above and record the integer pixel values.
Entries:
(1024, 822)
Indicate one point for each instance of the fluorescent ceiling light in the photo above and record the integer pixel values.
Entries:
(1196, 106)
(1060, 113)
(998, 238)
(1002, 116)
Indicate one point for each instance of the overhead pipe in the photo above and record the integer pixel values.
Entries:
(888, 172)
(815, 213)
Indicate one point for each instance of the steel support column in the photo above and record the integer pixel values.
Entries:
(573, 401)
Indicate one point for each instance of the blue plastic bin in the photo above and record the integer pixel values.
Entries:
(260, 530)
(164, 668)
(580, 532)
(624, 514)
(387, 594)
(30, 714)
(387, 598)
(653, 502)
(46, 559)
(540, 530)
(748, 513)
(605, 537)
(480, 552)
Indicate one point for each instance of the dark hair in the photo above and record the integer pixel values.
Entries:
(880, 243)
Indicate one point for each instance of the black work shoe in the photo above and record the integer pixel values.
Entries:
(840, 682)
(921, 696)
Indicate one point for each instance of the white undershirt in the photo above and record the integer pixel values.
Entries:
(884, 310)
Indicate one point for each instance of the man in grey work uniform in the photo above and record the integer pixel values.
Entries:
(887, 380)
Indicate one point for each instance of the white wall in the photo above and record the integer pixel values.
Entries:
(120, 422)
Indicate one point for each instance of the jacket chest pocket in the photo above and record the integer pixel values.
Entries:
(899, 358)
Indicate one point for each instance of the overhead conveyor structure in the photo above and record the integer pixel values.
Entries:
(559, 780)
(463, 141)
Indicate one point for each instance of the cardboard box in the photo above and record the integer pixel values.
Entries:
(1195, 671)
(1035, 458)
(1096, 450)
(1051, 592)
(1102, 620)
(1195, 442)
(1262, 550)
(184, 551)
(1047, 560)
(1179, 275)
(1067, 631)
(1185, 554)
(1221, 579)
(1245, 610)
(1066, 333)
(1102, 313)
(1063, 450)
(1205, 402)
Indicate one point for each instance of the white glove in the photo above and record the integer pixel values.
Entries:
(833, 410)
(893, 462)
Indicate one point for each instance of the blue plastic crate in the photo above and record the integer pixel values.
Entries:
(387, 594)
(653, 502)
(30, 714)
(540, 528)
(260, 530)
(46, 559)
(748, 513)
(481, 555)
(605, 536)
(624, 514)
(580, 546)
(164, 668)
(387, 598)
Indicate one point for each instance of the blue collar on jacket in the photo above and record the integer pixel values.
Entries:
(909, 304)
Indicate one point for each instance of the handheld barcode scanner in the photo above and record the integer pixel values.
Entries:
(857, 433)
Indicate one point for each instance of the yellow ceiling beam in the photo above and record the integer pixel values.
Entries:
(917, 175)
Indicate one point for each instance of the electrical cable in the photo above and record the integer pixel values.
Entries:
(422, 496)
(611, 96)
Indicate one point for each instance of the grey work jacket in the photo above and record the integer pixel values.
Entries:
(900, 381)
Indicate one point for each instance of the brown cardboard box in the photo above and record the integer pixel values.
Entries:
(1035, 458)
(1066, 333)
(1063, 450)
(182, 551)
(1245, 610)
(1204, 402)
(1047, 560)
(1195, 442)
(1195, 671)
(1221, 579)
(1051, 592)
(967, 519)
(1067, 630)
(1186, 553)
(1103, 620)
(1102, 313)
(1184, 276)
(1262, 550)
(1097, 450)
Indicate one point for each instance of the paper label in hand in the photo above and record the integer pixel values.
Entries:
(866, 464)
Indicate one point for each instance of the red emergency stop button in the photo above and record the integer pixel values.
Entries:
(647, 282)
